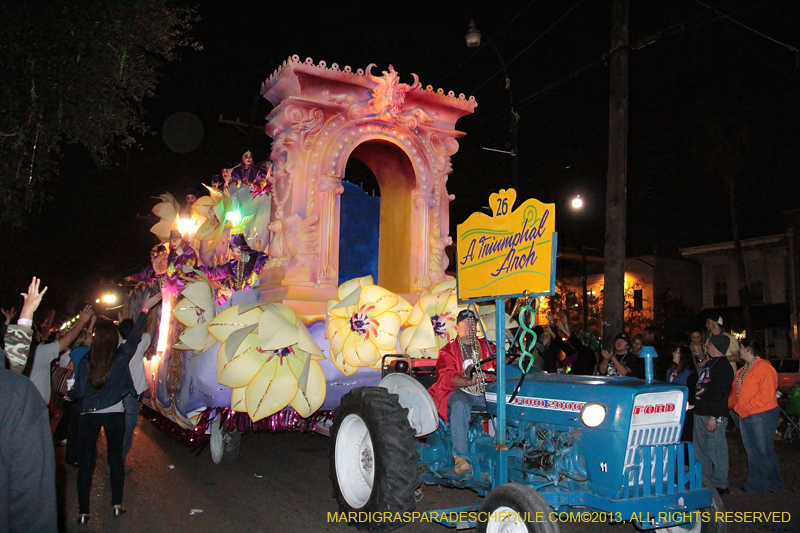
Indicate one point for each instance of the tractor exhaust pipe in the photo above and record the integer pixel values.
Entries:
(648, 353)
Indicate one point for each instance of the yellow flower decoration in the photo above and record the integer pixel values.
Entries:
(212, 208)
(167, 211)
(196, 311)
(432, 322)
(269, 359)
(363, 324)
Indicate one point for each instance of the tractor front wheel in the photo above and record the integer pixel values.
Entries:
(512, 508)
(373, 456)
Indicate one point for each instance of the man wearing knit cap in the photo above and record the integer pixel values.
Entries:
(711, 413)
(620, 361)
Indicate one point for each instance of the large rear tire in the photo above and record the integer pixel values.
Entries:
(512, 508)
(373, 457)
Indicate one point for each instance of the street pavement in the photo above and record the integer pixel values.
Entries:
(280, 483)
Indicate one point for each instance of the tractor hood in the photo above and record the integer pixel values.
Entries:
(559, 399)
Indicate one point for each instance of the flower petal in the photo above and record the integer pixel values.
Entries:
(348, 301)
(358, 351)
(284, 311)
(417, 312)
(339, 334)
(444, 285)
(341, 312)
(423, 336)
(187, 313)
(196, 338)
(201, 294)
(389, 327)
(308, 401)
(230, 320)
(350, 285)
(379, 299)
(203, 205)
(237, 399)
(402, 309)
(307, 343)
(271, 390)
(341, 364)
(246, 362)
(274, 332)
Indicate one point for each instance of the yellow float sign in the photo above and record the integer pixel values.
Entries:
(509, 252)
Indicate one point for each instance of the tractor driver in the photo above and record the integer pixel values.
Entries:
(456, 393)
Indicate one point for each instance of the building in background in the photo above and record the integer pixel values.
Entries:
(769, 277)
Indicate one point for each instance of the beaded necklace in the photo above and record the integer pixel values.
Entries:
(740, 376)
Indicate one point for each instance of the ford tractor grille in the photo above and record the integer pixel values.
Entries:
(661, 470)
(655, 421)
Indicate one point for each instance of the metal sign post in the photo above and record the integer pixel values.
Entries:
(506, 251)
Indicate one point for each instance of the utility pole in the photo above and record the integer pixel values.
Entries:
(616, 201)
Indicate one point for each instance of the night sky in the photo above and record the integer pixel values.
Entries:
(700, 74)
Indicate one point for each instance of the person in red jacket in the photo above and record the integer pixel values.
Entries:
(753, 399)
(456, 393)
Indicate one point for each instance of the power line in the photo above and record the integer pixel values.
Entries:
(527, 47)
(638, 45)
(723, 15)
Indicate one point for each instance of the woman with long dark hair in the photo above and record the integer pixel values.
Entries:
(753, 399)
(101, 382)
(682, 372)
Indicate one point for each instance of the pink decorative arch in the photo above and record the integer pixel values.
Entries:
(405, 134)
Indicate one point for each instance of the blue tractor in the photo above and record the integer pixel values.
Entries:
(565, 447)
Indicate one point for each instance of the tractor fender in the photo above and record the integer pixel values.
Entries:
(422, 414)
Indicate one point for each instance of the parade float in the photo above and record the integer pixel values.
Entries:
(285, 285)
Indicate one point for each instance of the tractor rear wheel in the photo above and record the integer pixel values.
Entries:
(512, 508)
(373, 456)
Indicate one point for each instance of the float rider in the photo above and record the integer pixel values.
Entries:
(455, 394)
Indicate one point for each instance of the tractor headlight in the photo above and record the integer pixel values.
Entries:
(593, 414)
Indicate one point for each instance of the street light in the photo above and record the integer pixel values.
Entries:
(473, 38)
(577, 205)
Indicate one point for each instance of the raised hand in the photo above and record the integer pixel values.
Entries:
(9, 314)
(32, 299)
(153, 300)
(86, 314)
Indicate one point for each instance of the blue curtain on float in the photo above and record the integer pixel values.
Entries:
(359, 231)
